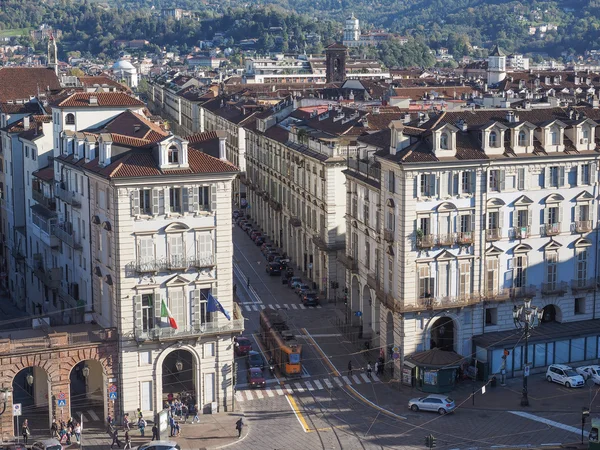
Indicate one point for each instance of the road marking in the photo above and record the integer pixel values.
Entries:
(249, 395)
(259, 394)
(347, 380)
(365, 377)
(328, 383)
(297, 412)
(288, 389)
(375, 377)
(271, 306)
(299, 387)
(294, 306)
(286, 306)
(279, 391)
(247, 307)
(238, 396)
(356, 379)
(318, 384)
(254, 307)
(338, 382)
(278, 306)
(309, 386)
(319, 306)
(93, 415)
(263, 307)
(269, 392)
(302, 307)
(549, 422)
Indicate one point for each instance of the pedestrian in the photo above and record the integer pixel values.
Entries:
(139, 414)
(115, 439)
(376, 367)
(350, 368)
(238, 426)
(154, 432)
(369, 369)
(186, 413)
(127, 440)
(196, 419)
(77, 431)
(54, 429)
(142, 426)
(177, 429)
(126, 422)
(25, 431)
(172, 425)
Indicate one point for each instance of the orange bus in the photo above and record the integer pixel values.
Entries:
(281, 343)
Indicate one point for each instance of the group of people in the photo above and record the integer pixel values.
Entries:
(141, 424)
(179, 409)
(379, 366)
(65, 431)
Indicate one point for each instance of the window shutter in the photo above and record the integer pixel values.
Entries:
(444, 191)
(515, 218)
(184, 200)
(473, 182)
(193, 199)
(561, 181)
(529, 217)
(576, 213)
(196, 317)
(213, 197)
(157, 308)
(593, 173)
(546, 215)
(486, 217)
(473, 218)
(521, 179)
(155, 202)
(166, 199)
(560, 216)
(578, 175)
(137, 300)
(547, 177)
(135, 202)
(500, 219)
(502, 177)
(418, 180)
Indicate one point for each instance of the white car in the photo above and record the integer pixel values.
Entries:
(588, 372)
(442, 404)
(160, 445)
(562, 374)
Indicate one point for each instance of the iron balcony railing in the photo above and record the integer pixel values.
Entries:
(426, 241)
(464, 238)
(583, 284)
(523, 291)
(446, 239)
(349, 262)
(152, 265)
(521, 232)
(388, 235)
(552, 229)
(555, 288)
(64, 231)
(66, 195)
(493, 234)
(50, 277)
(582, 226)
(47, 202)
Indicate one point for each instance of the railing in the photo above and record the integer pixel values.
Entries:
(493, 234)
(50, 277)
(388, 235)
(552, 229)
(68, 298)
(523, 291)
(17, 253)
(348, 261)
(368, 169)
(64, 231)
(582, 226)
(495, 295)
(373, 281)
(47, 202)
(154, 265)
(66, 196)
(465, 238)
(426, 241)
(584, 284)
(521, 232)
(556, 288)
(446, 239)
(54, 339)
(295, 221)
(450, 301)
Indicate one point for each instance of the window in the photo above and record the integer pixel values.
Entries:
(33, 153)
(522, 138)
(70, 119)
(522, 218)
(368, 255)
(520, 271)
(586, 134)
(391, 181)
(146, 394)
(391, 220)
(444, 141)
(491, 316)
(173, 155)
(493, 140)
(496, 180)
(426, 283)
(465, 223)
(176, 251)
(145, 252)
(175, 200)
(582, 263)
(582, 213)
(492, 275)
(366, 211)
(146, 201)
(204, 198)
(390, 274)
(553, 136)
(464, 278)
(579, 305)
(493, 221)
(465, 182)
(585, 174)
(425, 225)
(177, 306)
(147, 312)
(427, 187)
(205, 247)
(551, 269)
(552, 213)
(521, 179)
(556, 176)
(26, 151)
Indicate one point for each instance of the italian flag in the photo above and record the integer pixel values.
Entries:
(166, 312)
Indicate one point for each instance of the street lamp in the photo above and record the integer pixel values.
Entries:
(4, 394)
(29, 379)
(524, 317)
(85, 371)
(179, 365)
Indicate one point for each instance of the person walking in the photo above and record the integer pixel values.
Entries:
(376, 367)
(54, 429)
(115, 439)
(127, 440)
(172, 425)
(25, 431)
(154, 432)
(196, 419)
(140, 415)
(238, 426)
(126, 422)
(77, 432)
(350, 368)
(142, 426)
(369, 369)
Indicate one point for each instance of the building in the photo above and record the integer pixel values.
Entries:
(517, 62)
(353, 38)
(44, 32)
(496, 71)
(479, 210)
(352, 32)
(125, 72)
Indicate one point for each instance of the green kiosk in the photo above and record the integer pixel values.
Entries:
(434, 370)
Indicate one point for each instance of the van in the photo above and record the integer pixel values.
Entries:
(47, 444)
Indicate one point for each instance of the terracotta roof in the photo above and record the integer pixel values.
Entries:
(19, 83)
(89, 81)
(20, 108)
(45, 174)
(202, 137)
(105, 99)
(132, 130)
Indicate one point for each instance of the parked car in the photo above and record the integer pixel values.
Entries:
(242, 345)
(272, 255)
(51, 444)
(255, 359)
(259, 240)
(160, 445)
(590, 372)
(560, 373)
(292, 282)
(246, 226)
(255, 234)
(266, 248)
(282, 262)
(310, 298)
(236, 214)
(273, 269)
(13, 447)
(301, 289)
(440, 403)
(256, 377)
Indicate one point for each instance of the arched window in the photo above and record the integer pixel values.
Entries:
(522, 138)
(553, 136)
(444, 141)
(493, 139)
(70, 119)
(173, 155)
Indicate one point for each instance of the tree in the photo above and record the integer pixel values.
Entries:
(76, 72)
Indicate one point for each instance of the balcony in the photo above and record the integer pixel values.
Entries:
(349, 262)
(66, 196)
(555, 288)
(202, 261)
(582, 226)
(390, 303)
(64, 231)
(295, 221)
(451, 301)
(50, 277)
(218, 326)
(425, 241)
(18, 253)
(584, 284)
(551, 229)
(465, 238)
(521, 232)
(493, 234)
(47, 202)
(496, 295)
(523, 291)
(373, 281)
(388, 235)
(446, 240)
(154, 265)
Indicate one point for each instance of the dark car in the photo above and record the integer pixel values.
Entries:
(255, 234)
(255, 360)
(292, 282)
(259, 240)
(236, 214)
(266, 248)
(310, 299)
(272, 255)
(242, 345)
(246, 226)
(301, 288)
(282, 262)
(274, 269)
(256, 377)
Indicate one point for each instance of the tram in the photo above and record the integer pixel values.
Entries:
(281, 343)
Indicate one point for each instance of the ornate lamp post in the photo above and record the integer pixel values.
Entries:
(4, 394)
(524, 317)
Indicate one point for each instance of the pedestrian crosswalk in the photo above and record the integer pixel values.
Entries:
(260, 307)
(300, 387)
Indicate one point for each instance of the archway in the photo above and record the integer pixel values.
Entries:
(88, 388)
(354, 299)
(389, 333)
(180, 377)
(367, 313)
(551, 314)
(442, 334)
(30, 388)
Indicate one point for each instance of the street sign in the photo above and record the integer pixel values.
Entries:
(17, 409)
(396, 355)
(113, 388)
(395, 349)
(61, 402)
(112, 395)
(526, 374)
(61, 396)
(358, 313)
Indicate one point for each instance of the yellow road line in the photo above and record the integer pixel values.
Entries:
(297, 412)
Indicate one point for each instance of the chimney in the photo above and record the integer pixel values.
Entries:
(222, 135)
(407, 118)
(510, 116)
(93, 100)
(26, 122)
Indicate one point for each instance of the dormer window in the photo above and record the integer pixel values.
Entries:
(493, 139)
(553, 136)
(444, 145)
(70, 119)
(586, 134)
(173, 155)
(522, 138)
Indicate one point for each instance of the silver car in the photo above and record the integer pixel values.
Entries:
(160, 445)
(433, 402)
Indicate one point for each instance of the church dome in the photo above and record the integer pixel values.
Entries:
(123, 65)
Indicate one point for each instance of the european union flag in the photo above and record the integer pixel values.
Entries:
(214, 306)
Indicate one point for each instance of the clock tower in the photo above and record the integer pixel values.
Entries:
(335, 61)
(496, 71)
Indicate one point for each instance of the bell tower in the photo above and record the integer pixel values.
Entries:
(52, 54)
(335, 61)
(496, 66)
